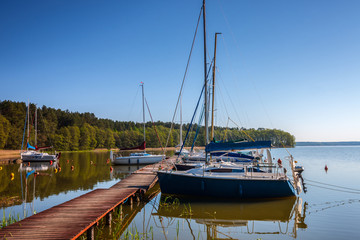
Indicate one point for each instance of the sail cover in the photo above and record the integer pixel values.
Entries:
(229, 146)
(141, 147)
(30, 147)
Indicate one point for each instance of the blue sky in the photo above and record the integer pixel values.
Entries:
(285, 64)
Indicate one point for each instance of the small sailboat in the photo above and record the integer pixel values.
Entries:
(33, 154)
(139, 157)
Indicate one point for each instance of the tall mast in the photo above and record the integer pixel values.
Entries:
(213, 91)
(28, 126)
(143, 103)
(205, 78)
(35, 125)
(181, 141)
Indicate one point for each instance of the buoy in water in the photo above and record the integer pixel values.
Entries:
(72, 168)
(111, 169)
(326, 168)
(12, 175)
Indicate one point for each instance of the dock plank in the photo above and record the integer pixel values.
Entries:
(73, 218)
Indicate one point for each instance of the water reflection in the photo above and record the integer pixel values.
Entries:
(73, 172)
(29, 172)
(283, 216)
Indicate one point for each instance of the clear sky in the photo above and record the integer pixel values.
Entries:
(285, 64)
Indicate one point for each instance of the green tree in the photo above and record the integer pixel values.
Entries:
(4, 131)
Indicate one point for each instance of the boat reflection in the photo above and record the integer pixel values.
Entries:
(38, 166)
(29, 171)
(279, 215)
(121, 171)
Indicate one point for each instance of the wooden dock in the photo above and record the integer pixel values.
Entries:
(78, 216)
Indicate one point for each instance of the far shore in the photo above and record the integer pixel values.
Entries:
(7, 156)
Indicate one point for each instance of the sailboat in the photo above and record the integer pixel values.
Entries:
(241, 181)
(139, 157)
(33, 154)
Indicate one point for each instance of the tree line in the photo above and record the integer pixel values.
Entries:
(73, 131)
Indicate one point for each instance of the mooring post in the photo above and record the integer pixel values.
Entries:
(109, 219)
(121, 213)
(90, 234)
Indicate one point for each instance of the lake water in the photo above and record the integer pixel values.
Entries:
(330, 211)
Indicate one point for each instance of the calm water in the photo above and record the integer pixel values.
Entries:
(321, 213)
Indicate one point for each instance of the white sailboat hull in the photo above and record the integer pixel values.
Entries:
(132, 160)
(33, 156)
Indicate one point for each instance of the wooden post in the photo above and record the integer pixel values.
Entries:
(121, 213)
(90, 234)
(109, 218)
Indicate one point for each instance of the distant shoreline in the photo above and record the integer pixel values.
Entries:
(349, 143)
(7, 155)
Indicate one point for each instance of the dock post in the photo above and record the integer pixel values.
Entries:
(131, 203)
(109, 219)
(90, 235)
(121, 213)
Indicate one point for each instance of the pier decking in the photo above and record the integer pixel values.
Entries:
(77, 216)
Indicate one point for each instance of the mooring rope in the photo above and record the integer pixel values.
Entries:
(352, 189)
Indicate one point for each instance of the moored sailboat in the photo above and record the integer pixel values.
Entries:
(33, 154)
(138, 157)
(240, 181)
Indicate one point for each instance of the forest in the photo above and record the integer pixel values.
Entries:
(73, 131)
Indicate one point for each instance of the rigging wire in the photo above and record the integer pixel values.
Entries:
(183, 81)
(252, 81)
(338, 190)
(353, 189)
(242, 130)
(157, 134)
(133, 102)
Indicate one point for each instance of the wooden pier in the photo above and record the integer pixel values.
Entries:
(78, 216)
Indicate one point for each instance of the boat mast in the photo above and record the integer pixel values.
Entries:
(181, 141)
(35, 125)
(205, 78)
(143, 103)
(213, 91)
(28, 126)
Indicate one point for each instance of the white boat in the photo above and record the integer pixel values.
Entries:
(140, 157)
(33, 154)
(136, 158)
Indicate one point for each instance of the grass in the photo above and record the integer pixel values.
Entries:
(6, 221)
